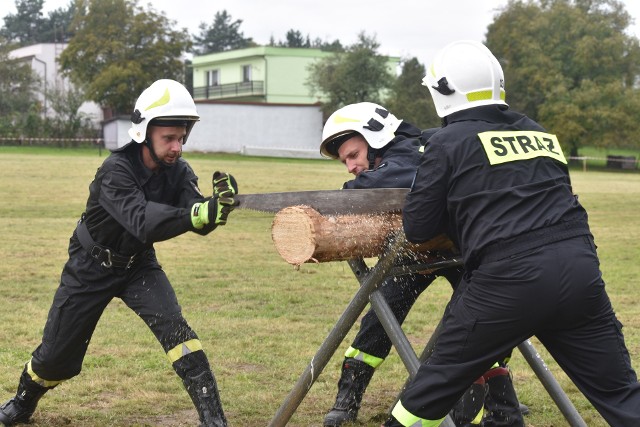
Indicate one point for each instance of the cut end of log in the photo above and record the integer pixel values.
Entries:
(293, 233)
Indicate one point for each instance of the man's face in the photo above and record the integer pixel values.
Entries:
(167, 142)
(353, 153)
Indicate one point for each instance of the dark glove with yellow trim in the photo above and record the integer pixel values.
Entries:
(217, 208)
(224, 189)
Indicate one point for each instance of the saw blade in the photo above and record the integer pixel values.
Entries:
(328, 202)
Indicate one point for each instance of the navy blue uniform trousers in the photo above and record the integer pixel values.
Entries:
(84, 292)
(554, 292)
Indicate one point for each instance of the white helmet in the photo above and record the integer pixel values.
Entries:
(374, 122)
(165, 99)
(464, 74)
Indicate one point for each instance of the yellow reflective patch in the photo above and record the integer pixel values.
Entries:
(370, 360)
(406, 418)
(183, 349)
(36, 379)
(509, 146)
(342, 119)
(483, 95)
(164, 99)
(478, 419)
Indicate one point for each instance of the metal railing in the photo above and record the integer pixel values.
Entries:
(53, 142)
(231, 90)
(610, 162)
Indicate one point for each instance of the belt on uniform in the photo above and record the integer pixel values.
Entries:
(533, 239)
(107, 257)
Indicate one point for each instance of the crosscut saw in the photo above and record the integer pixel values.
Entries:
(328, 202)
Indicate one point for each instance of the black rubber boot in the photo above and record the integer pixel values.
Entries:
(503, 408)
(468, 411)
(19, 409)
(203, 391)
(353, 382)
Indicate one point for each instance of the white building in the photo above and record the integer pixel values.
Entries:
(44, 61)
(253, 129)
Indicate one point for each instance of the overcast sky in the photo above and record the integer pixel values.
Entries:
(404, 28)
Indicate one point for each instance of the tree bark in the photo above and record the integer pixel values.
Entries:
(301, 234)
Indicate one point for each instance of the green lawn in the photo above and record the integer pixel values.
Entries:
(260, 319)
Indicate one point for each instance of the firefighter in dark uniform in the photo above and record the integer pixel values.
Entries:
(384, 152)
(499, 184)
(143, 193)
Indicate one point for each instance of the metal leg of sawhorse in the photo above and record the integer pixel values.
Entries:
(551, 384)
(336, 335)
(369, 280)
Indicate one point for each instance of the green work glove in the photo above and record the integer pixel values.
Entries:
(202, 213)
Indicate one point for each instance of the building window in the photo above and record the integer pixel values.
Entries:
(246, 73)
(213, 77)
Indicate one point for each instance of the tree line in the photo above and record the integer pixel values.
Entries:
(572, 65)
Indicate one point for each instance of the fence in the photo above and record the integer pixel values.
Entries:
(610, 162)
(55, 142)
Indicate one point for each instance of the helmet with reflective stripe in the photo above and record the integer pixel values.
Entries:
(374, 122)
(464, 74)
(164, 103)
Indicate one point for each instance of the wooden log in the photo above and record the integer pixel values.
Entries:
(301, 234)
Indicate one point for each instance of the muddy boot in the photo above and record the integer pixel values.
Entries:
(503, 408)
(19, 409)
(469, 410)
(203, 391)
(351, 386)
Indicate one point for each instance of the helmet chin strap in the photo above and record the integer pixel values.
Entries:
(371, 157)
(155, 158)
(372, 153)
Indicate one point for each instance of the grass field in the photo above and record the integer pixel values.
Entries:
(260, 320)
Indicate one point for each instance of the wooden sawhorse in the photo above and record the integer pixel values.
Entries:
(370, 279)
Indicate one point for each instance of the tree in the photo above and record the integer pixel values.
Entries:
(358, 74)
(28, 26)
(220, 36)
(334, 46)
(24, 26)
(409, 100)
(294, 38)
(18, 88)
(570, 65)
(68, 121)
(55, 28)
(119, 49)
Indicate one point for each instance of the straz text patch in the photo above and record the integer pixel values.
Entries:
(509, 146)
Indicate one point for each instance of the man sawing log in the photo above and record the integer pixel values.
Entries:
(339, 226)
